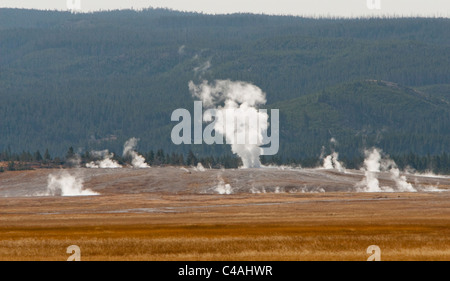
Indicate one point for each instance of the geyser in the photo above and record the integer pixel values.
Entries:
(222, 187)
(332, 162)
(234, 107)
(137, 161)
(374, 163)
(106, 161)
(66, 184)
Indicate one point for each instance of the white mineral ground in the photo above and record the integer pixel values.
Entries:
(191, 180)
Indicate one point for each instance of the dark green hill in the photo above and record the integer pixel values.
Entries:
(440, 92)
(92, 81)
(362, 114)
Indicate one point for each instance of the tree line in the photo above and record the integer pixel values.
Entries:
(439, 164)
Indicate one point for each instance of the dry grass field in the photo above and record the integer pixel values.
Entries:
(242, 226)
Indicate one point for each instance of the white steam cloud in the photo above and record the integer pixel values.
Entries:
(199, 167)
(223, 188)
(242, 99)
(332, 161)
(66, 184)
(137, 160)
(374, 163)
(106, 161)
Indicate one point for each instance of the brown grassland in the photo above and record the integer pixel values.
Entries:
(256, 227)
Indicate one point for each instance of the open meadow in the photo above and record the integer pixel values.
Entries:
(130, 221)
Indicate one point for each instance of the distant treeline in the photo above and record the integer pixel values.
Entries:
(28, 160)
(439, 164)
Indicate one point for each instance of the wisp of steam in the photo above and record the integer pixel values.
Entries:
(374, 163)
(331, 161)
(66, 184)
(199, 167)
(242, 99)
(106, 161)
(223, 188)
(202, 68)
(137, 161)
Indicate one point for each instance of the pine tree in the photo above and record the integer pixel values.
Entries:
(47, 156)
(37, 156)
(191, 160)
(70, 153)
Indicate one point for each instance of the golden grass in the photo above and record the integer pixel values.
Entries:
(215, 242)
(257, 227)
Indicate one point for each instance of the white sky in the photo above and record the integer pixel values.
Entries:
(342, 8)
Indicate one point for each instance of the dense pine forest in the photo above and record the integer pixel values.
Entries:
(92, 81)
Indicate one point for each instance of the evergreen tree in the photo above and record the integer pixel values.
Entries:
(37, 156)
(191, 160)
(70, 153)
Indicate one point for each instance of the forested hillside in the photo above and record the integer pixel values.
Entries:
(92, 81)
(363, 114)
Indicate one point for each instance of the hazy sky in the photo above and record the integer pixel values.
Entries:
(343, 8)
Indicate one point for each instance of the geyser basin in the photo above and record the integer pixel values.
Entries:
(192, 180)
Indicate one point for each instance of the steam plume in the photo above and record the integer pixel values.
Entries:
(242, 99)
(199, 167)
(106, 161)
(370, 182)
(223, 188)
(67, 185)
(129, 151)
(373, 165)
(332, 161)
